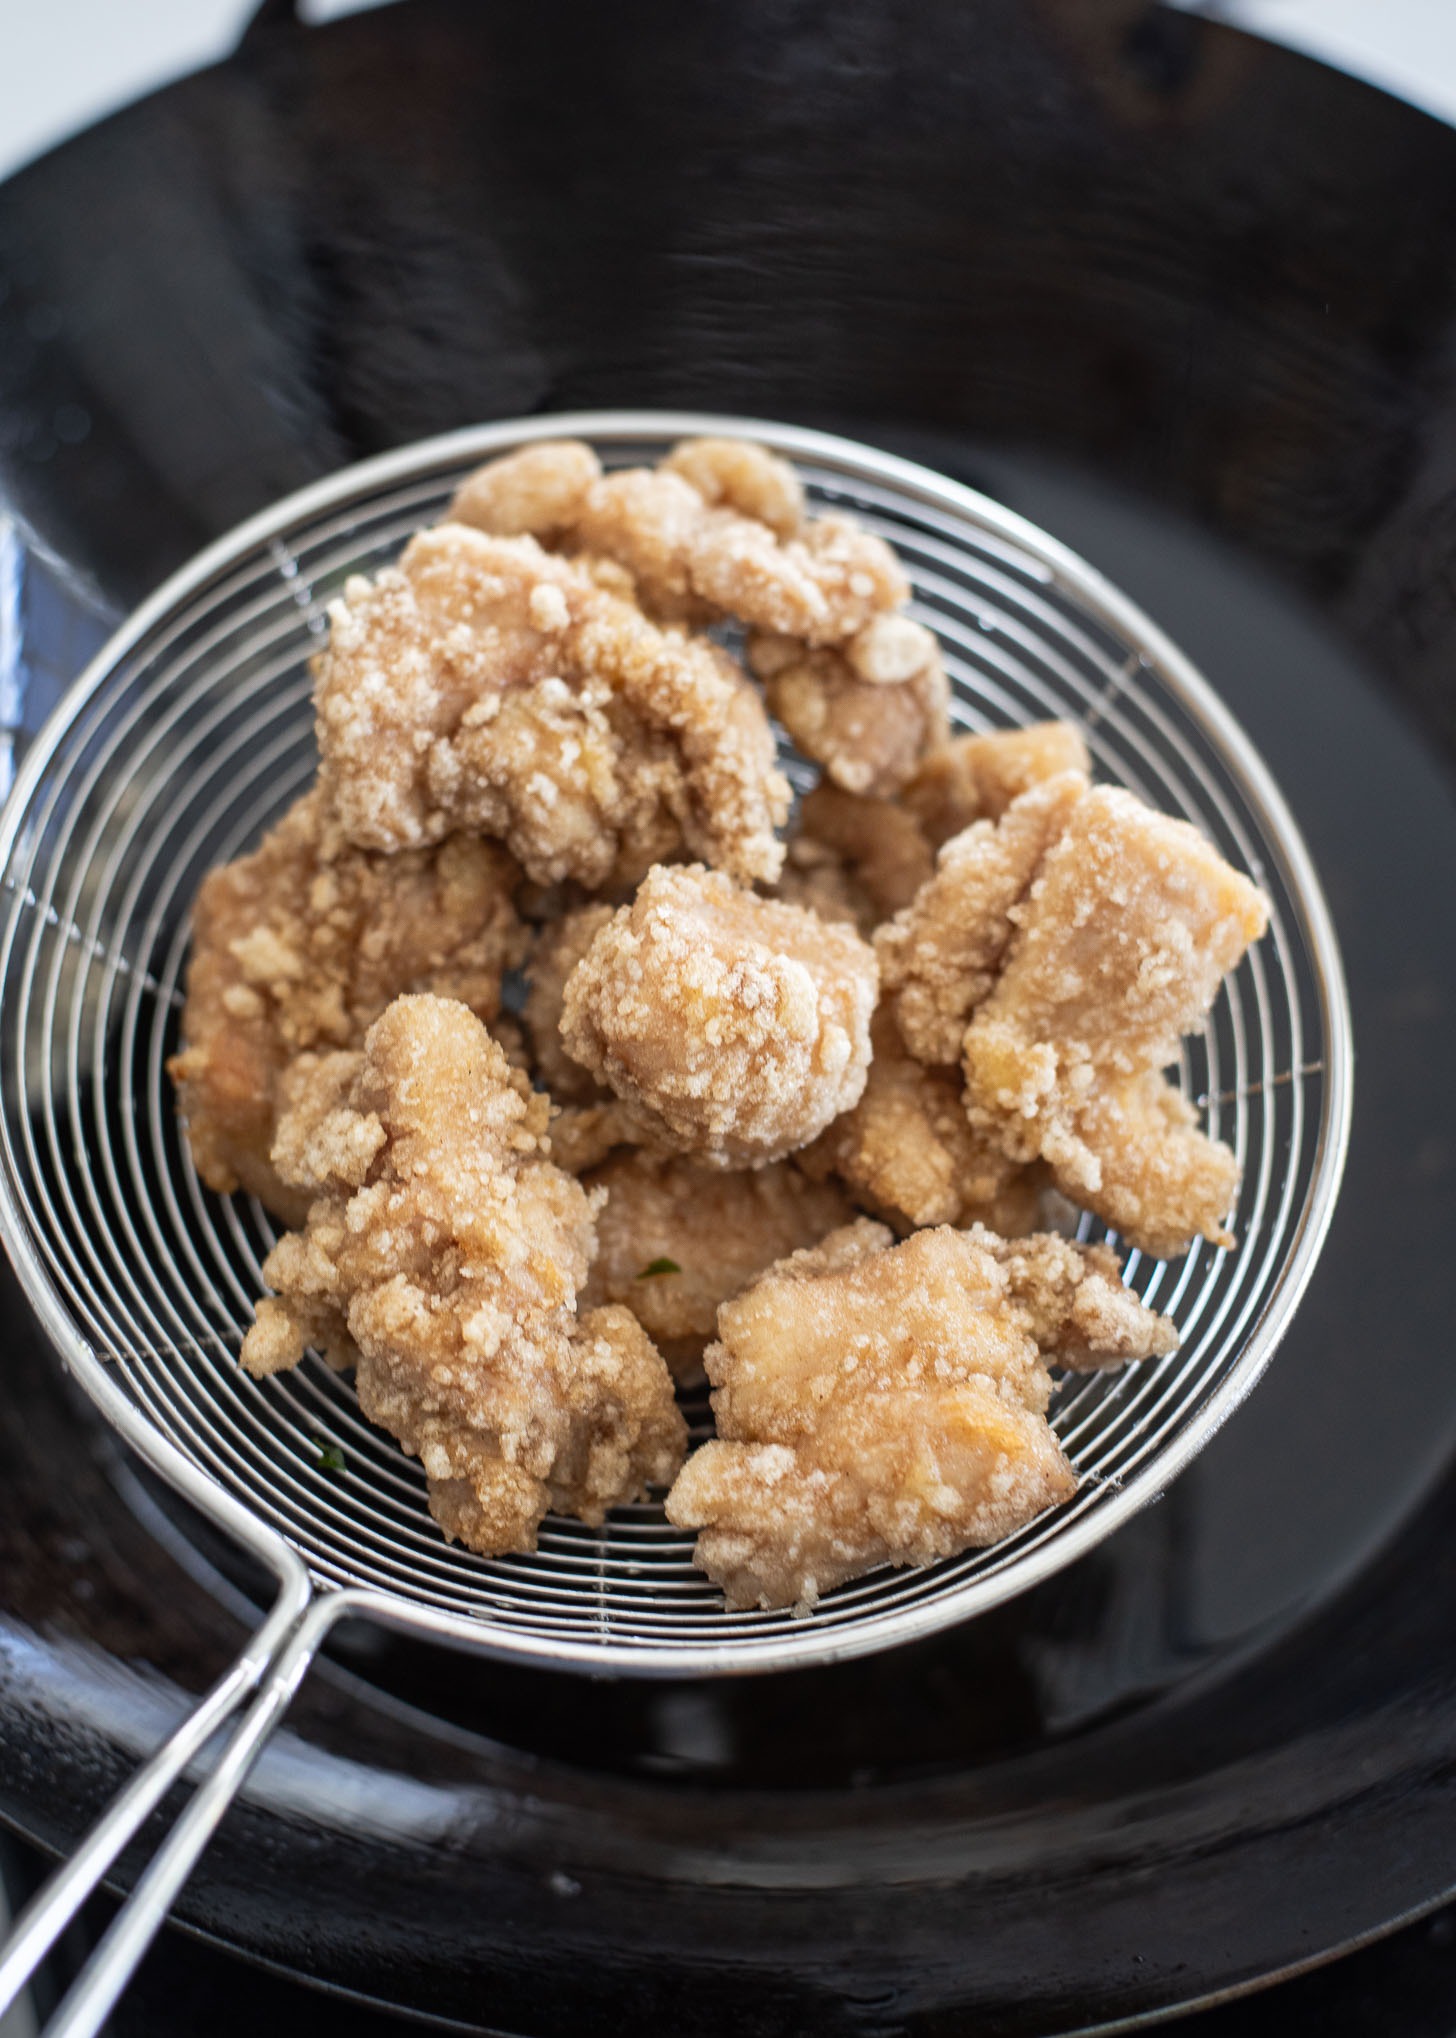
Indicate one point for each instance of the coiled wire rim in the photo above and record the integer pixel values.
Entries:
(1028, 629)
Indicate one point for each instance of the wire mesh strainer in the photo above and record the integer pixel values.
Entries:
(188, 736)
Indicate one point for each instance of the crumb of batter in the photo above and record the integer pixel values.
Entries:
(300, 946)
(940, 957)
(557, 951)
(868, 733)
(734, 1027)
(675, 1239)
(875, 1404)
(908, 1152)
(442, 1256)
(1121, 945)
(976, 778)
(485, 684)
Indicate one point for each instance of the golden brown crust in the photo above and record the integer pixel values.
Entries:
(869, 734)
(300, 946)
(887, 1404)
(1131, 926)
(557, 950)
(536, 492)
(908, 1152)
(718, 529)
(975, 778)
(940, 957)
(875, 1404)
(675, 1239)
(486, 684)
(733, 1027)
(443, 1254)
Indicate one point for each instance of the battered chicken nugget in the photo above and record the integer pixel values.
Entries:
(537, 492)
(300, 946)
(868, 732)
(717, 530)
(1123, 941)
(557, 951)
(737, 475)
(940, 957)
(676, 1239)
(884, 1404)
(908, 1152)
(485, 684)
(442, 1255)
(975, 778)
(733, 1027)
(880, 845)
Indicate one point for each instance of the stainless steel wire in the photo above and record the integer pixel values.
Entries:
(192, 732)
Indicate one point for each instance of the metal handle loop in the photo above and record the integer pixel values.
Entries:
(272, 1663)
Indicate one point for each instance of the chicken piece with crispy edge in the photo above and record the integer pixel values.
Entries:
(940, 956)
(883, 1404)
(675, 1239)
(734, 1028)
(854, 858)
(299, 946)
(1123, 940)
(718, 529)
(558, 948)
(908, 1153)
(442, 1256)
(976, 778)
(867, 712)
(485, 684)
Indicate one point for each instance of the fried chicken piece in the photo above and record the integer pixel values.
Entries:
(908, 1152)
(486, 684)
(853, 859)
(975, 778)
(717, 530)
(735, 1028)
(300, 945)
(880, 845)
(869, 712)
(1071, 1299)
(537, 492)
(676, 1239)
(442, 1255)
(1123, 941)
(940, 957)
(558, 949)
(875, 1404)
(737, 475)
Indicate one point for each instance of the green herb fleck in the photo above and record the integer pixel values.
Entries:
(662, 1266)
(331, 1458)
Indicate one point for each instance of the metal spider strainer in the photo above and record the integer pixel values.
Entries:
(188, 735)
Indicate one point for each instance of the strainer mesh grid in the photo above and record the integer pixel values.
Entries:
(198, 735)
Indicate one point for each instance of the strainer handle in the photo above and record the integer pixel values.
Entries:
(273, 1663)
